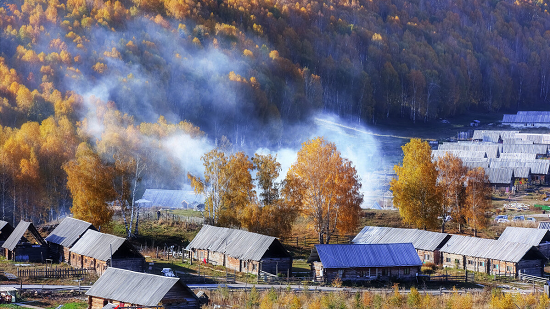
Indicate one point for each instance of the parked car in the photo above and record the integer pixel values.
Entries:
(500, 217)
(531, 219)
(518, 218)
(168, 272)
(502, 220)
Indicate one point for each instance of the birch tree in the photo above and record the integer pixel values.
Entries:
(478, 199)
(326, 188)
(451, 177)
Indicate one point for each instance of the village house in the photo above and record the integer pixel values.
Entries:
(5, 231)
(494, 257)
(65, 235)
(426, 243)
(98, 251)
(123, 288)
(534, 119)
(535, 237)
(240, 250)
(501, 179)
(364, 262)
(25, 244)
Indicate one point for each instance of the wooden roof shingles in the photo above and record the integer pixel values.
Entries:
(368, 255)
(134, 288)
(97, 245)
(239, 244)
(422, 240)
(18, 233)
(68, 232)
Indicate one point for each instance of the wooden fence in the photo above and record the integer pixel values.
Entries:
(52, 272)
(467, 277)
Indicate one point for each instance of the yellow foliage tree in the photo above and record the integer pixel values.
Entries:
(451, 183)
(90, 183)
(415, 192)
(326, 188)
(478, 199)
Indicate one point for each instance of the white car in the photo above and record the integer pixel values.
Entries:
(168, 272)
(502, 220)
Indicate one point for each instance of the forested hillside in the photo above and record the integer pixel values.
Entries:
(137, 79)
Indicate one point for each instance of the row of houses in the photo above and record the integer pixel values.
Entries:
(508, 157)
(73, 241)
(517, 250)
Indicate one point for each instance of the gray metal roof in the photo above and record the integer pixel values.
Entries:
(97, 245)
(516, 140)
(486, 248)
(537, 166)
(522, 172)
(518, 156)
(239, 244)
(535, 138)
(421, 240)
(368, 255)
(172, 198)
(132, 287)
(462, 154)
(493, 135)
(68, 232)
(491, 149)
(499, 175)
(527, 117)
(475, 163)
(524, 235)
(19, 232)
(544, 225)
(525, 148)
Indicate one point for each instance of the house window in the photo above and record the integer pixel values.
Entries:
(384, 272)
(481, 263)
(495, 266)
(470, 262)
(426, 257)
(448, 260)
(457, 261)
(340, 273)
(508, 268)
(406, 271)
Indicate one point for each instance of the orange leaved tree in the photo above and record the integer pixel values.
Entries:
(478, 199)
(326, 188)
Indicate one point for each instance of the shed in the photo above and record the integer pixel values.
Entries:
(494, 257)
(98, 251)
(25, 244)
(240, 250)
(172, 198)
(526, 119)
(358, 262)
(540, 169)
(426, 243)
(65, 235)
(539, 238)
(124, 288)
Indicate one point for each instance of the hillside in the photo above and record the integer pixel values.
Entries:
(112, 83)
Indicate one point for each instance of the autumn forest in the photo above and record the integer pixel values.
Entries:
(130, 94)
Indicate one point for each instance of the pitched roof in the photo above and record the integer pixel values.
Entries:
(516, 140)
(527, 117)
(487, 248)
(525, 148)
(68, 232)
(522, 172)
(172, 198)
(475, 163)
(368, 255)
(499, 175)
(537, 166)
(133, 287)
(462, 154)
(5, 230)
(516, 155)
(97, 245)
(422, 240)
(235, 243)
(492, 135)
(491, 149)
(19, 232)
(524, 235)
(535, 138)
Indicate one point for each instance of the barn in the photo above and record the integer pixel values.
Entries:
(25, 244)
(364, 262)
(65, 235)
(98, 251)
(494, 257)
(240, 250)
(535, 237)
(120, 288)
(426, 243)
